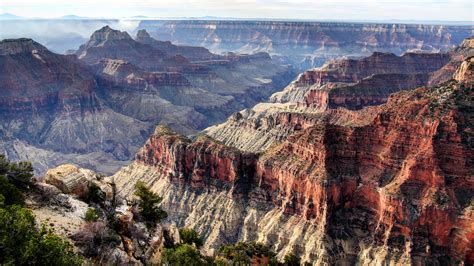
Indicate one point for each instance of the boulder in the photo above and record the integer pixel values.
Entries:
(70, 179)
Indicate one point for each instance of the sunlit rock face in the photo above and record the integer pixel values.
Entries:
(98, 108)
(394, 189)
(328, 92)
(354, 84)
(308, 44)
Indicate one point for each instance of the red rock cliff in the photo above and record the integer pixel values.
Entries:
(403, 180)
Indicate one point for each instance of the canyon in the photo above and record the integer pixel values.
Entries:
(385, 184)
(365, 192)
(364, 158)
(97, 108)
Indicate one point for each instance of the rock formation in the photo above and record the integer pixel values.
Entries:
(327, 92)
(70, 179)
(354, 84)
(98, 110)
(50, 106)
(348, 164)
(194, 53)
(303, 44)
(391, 185)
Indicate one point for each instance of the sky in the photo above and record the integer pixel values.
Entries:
(420, 10)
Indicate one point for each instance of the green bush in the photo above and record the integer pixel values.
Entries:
(11, 194)
(189, 236)
(95, 194)
(184, 254)
(91, 215)
(241, 253)
(19, 174)
(148, 204)
(292, 260)
(21, 242)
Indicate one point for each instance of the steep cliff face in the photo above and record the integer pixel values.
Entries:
(324, 93)
(458, 55)
(374, 77)
(114, 44)
(308, 44)
(367, 192)
(33, 78)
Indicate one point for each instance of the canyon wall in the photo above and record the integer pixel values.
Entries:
(308, 44)
(328, 92)
(395, 188)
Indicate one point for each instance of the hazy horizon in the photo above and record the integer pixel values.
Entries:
(338, 10)
(217, 18)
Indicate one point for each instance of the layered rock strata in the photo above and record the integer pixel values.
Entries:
(309, 44)
(327, 92)
(188, 88)
(396, 188)
(98, 110)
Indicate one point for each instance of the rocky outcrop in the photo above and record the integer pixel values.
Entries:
(76, 181)
(458, 55)
(395, 188)
(20, 46)
(115, 232)
(70, 179)
(109, 43)
(465, 73)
